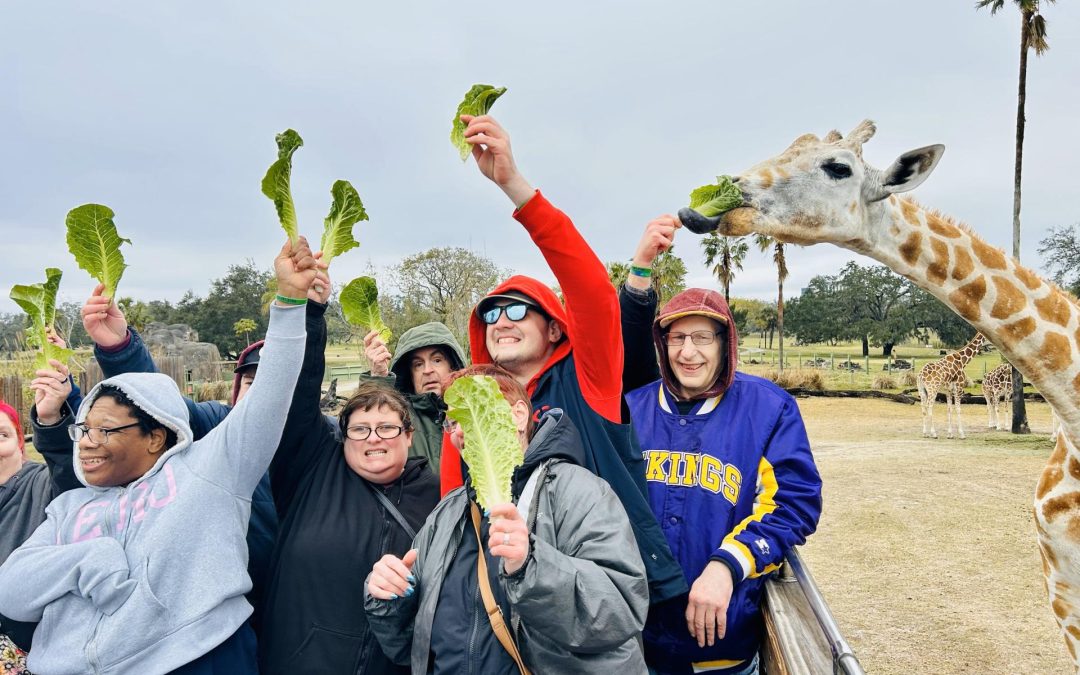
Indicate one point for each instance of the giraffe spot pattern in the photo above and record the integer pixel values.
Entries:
(939, 225)
(1074, 468)
(1056, 506)
(1074, 631)
(1030, 279)
(937, 270)
(966, 299)
(1061, 608)
(964, 265)
(1076, 383)
(1050, 477)
(910, 211)
(1071, 648)
(1073, 530)
(1055, 353)
(765, 178)
(1016, 331)
(1009, 299)
(1054, 308)
(782, 173)
(988, 255)
(909, 250)
(1045, 563)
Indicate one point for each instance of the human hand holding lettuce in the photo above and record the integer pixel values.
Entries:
(490, 144)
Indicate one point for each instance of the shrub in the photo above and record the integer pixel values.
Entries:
(883, 382)
(909, 379)
(797, 379)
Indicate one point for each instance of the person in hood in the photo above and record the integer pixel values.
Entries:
(118, 349)
(27, 487)
(560, 562)
(424, 356)
(567, 356)
(144, 569)
(729, 469)
(347, 494)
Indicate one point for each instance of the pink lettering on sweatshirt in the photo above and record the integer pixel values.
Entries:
(91, 517)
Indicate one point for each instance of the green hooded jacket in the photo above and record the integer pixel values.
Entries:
(425, 409)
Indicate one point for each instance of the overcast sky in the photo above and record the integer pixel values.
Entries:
(167, 111)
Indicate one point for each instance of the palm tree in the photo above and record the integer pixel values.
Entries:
(764, 243)
(1032, 36)
(724, 255)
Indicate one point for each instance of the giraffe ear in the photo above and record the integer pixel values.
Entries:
(908, 171)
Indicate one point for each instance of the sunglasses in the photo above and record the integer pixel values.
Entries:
(515, 311)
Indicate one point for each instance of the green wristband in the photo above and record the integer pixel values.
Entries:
(290, 301)
(640, 271)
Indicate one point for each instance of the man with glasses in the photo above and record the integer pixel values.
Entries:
(731, 476)
(566, 354)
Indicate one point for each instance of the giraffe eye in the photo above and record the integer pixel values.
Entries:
(836, 170)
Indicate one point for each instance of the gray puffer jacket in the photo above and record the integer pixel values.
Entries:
(580, 602)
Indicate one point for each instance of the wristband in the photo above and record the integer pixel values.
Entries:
(640, 271)
(290, 301)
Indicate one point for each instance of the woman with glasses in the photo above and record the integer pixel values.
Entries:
(144, 570)
(729, 469)
(346, 494)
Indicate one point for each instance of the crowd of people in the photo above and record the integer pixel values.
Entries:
(657, 489)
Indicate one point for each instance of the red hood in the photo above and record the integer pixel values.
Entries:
(710, 304)
(236, 376)
(547, 300)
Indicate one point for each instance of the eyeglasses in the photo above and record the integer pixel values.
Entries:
(383, 431)
(515, 311)
(97, 435)
(698, 337)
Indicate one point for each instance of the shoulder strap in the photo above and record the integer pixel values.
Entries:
(498, 626)
(392, 510)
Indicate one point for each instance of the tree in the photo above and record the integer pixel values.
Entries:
(883, 305)
(724, 255)
(764, 243)
(245, 327)
(1032, 36)
(233, 297)
(821, 313)
(442, 284)
(136, 312)
(1061, 256)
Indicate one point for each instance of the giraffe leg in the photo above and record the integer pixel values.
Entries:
(991, 410)
(959, 423)
(923, 406)
(948, 412)
(928, 419)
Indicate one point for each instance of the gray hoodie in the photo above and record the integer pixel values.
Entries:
(150, 576)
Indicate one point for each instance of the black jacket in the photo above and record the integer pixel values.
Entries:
(333, 530)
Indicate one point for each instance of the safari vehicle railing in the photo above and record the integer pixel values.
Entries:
(801, 635)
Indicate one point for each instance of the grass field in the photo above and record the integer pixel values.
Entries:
(926, 548)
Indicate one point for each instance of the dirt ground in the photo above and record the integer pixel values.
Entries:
(926, 548)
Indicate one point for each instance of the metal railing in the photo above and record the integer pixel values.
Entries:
(844, 660)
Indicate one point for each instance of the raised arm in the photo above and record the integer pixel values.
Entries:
(56, 400)
(239, 450)
(592, 307)
(119, 349)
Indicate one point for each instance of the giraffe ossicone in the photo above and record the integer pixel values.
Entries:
(821, 190)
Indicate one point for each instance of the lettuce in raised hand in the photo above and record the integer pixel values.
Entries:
(478, 101)
(275, 184)
(39, 303)
(345, 211)
(712, 200)
(93, 240)
(492, 449)
(360, 305)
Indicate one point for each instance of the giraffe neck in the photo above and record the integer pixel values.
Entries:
(1035, 325)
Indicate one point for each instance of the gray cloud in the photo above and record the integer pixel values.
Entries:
(166, 112)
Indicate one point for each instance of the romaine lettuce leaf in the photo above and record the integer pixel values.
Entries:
(492, 449)
(360, 305)
(478, 101)
(275, 184)
(93, 240)
(712, 200)
(39, 303)
(345, 211)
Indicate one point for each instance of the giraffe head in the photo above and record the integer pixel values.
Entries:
(819, 190)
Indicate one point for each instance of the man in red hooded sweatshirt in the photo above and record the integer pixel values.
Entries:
(567, 357)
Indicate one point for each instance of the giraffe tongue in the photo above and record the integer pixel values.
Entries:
(697, 223)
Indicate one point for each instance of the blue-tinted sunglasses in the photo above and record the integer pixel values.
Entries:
(515, 311)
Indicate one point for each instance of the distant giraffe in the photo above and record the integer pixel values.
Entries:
(821, 190)
(946, 375)
(997, 390)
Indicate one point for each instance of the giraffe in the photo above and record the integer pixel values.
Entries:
(821, 190)
(947, 375)
(997, 390)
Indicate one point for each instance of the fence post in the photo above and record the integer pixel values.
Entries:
(832, 362)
